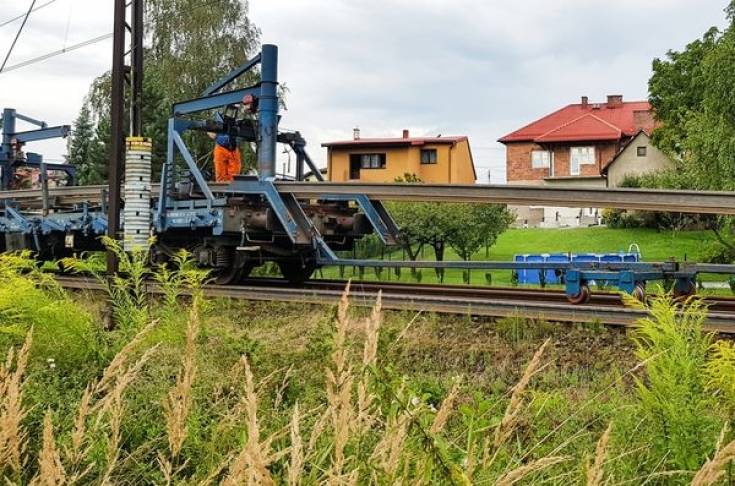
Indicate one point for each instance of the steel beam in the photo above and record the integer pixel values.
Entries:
(213, 101)
(231, 76)
(61, 131)
(704, 202)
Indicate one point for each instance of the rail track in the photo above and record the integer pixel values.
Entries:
(605, 308)
(705, 202)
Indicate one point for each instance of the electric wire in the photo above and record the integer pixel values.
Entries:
(10, 51)
(68, 23)
(75, 46)
(10, 21)
(49, 55)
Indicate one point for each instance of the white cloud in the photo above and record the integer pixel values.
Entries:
(474, 67)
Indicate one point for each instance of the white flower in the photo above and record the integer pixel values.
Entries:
(415, 401)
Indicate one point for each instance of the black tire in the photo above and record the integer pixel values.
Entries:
(296, 271)
(228, 276)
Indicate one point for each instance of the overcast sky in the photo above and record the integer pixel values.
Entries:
(480, 68)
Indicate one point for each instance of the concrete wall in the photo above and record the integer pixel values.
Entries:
(454, 163)
(629, 163)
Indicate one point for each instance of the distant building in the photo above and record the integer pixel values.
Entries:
(638, 156)
(440, 160)
(582, 144)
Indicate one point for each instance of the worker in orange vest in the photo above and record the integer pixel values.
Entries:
(227, 162)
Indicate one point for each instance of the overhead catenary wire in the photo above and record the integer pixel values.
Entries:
(10, 51)
(49, 55)
(74, 47)
(68, 22)
(14, 19)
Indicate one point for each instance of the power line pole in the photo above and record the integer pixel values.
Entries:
(117, 131)
(136, 52)
(117, 109)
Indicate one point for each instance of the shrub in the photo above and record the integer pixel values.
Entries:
(673, 349)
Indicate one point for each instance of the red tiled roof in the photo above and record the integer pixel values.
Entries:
(374, 142)
(576, 122)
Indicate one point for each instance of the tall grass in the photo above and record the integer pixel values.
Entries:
(174, 400)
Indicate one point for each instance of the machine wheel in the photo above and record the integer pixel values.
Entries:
(582, 297)
(639, 292)
(228, 276)
(238, 269)
(296, 271)
(691, 289)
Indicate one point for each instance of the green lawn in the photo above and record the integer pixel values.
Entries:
(654, 246)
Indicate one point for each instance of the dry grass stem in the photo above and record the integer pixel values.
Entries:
(521, 472)
(117, 365)
(440, 420)
(296, 464)
(389, 449)
(714, 468)
(50, 470)
(177, 405)
(595, 472)
(369, 358)
(339, 388)
(510, 418)
(250, 466)
(316, 431)
(77, 453)
(12, 413)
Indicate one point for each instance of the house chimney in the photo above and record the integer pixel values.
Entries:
(356, 133)
(614, 101)
(405, 133)
(585, 101)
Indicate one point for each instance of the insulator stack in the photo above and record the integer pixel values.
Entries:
(137, 193)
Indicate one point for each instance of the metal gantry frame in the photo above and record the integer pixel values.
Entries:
(264, 131)
(12, 154)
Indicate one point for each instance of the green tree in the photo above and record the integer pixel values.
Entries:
(464, 227)
(84, 147)
(473, 226)
(676, 91)
(693, 95)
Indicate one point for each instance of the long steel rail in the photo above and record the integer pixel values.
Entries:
(411, 298)
(704, 202)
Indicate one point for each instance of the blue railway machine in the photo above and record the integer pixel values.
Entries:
(232, 228)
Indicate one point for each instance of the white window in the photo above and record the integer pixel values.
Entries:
(580, 156)
(540, 159)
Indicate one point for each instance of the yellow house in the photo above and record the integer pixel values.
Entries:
(438, 160)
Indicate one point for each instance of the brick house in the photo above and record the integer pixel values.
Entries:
(574, 146)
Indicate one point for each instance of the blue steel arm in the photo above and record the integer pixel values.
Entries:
(231, 76)
(30, 120)
(181, 146)
(42, 134)
(214, 101)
